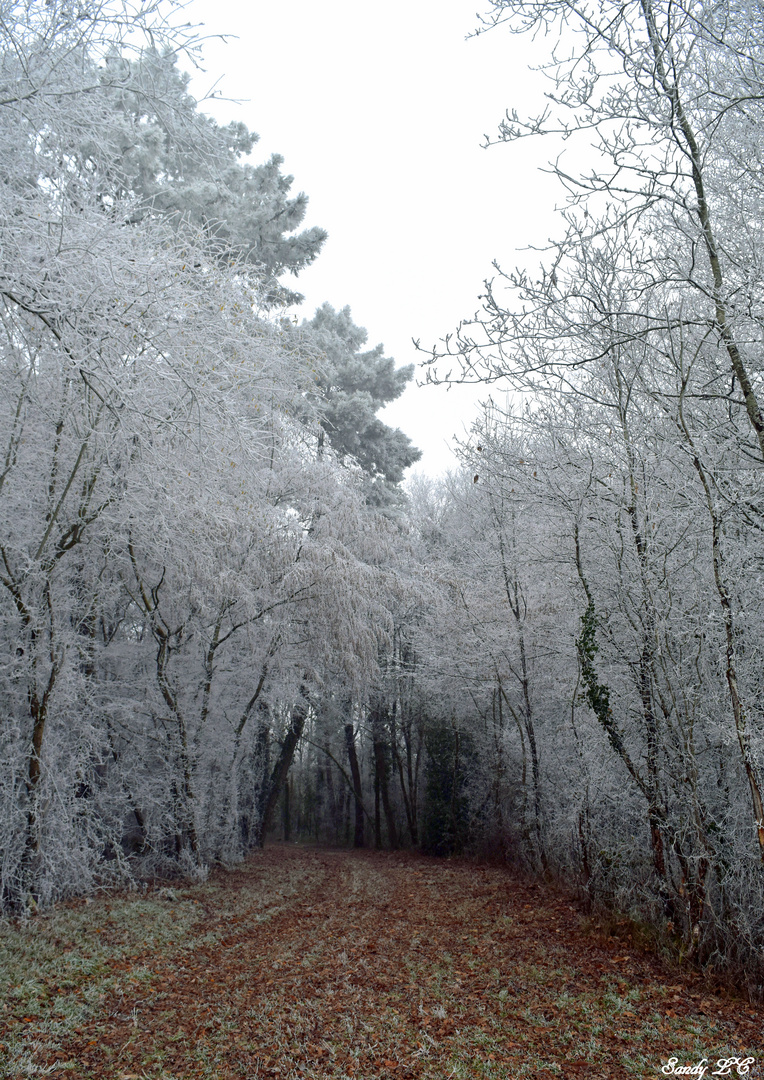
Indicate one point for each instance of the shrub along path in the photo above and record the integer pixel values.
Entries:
(322, 964)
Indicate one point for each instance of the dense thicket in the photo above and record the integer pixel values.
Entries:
(186, 564)
(621, 493)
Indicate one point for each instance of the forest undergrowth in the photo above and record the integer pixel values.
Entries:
(317, 963)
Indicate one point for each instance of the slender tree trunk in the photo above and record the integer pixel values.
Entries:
(598, 696)
(747, 755)
(39, 711)
(380, 764)
(685, 138)
(281, 768)
(260, 780)
(355, 772)
(382, 787)
(186, 837)
(334, 804)
(517, 607)
(377, 808)
(408, 787)
(497, 714)
(647, 678)
(286, 809)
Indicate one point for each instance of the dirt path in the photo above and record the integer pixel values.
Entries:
(330, 964)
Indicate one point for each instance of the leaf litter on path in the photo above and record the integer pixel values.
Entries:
(317, 964)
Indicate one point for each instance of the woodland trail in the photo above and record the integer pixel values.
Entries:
(312, 964)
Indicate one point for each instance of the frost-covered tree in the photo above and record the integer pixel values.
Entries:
(180, 164)
(355, 384)
(669, 97)
(633, 452)
(169, 542)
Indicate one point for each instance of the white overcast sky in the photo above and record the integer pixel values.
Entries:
(379, 111)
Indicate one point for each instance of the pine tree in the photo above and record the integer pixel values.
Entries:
(355, 385)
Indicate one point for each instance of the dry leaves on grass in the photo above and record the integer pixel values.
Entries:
(334, 964)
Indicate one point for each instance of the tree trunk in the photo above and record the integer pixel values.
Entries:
(355, 772)
(286, 810)
(409, 790)
(281, 769)
(380, 767)
(381, 786)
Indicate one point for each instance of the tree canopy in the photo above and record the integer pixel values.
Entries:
(179, 163)
(355, 385)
